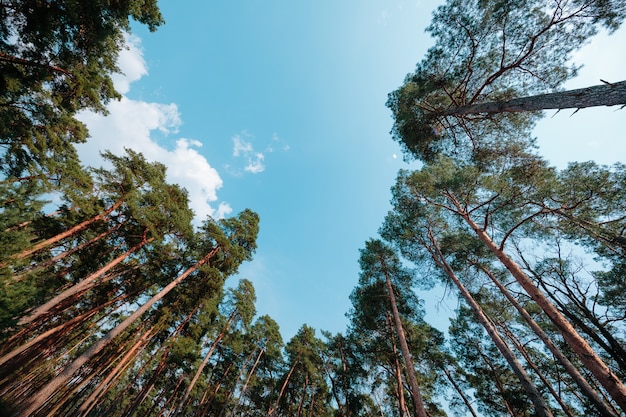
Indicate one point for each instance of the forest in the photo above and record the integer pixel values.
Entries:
(113, 299)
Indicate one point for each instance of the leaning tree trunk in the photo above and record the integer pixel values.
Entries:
(608, 94)
(82, 286)
(531, 363)
(245, 385)
(459, 391)
(398, 371)
(587, 355)
(103, 386)
(33, 404)
(204, 362)
(78, 228)
(604, 409)
(416, 395)
(273, 411)
(541, 407)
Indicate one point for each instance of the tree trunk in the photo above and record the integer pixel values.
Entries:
(541, 407)
(83, 285)
(87, 405)
(597, 95)
(587, 355)
(245, 385)
(66, 253)
(497, 381)
(282, 389)
(78, 228)
(416, 396)
(524, 352)
(204, 362)
(398, 374)
(53, 331)
(234, 388)
(604, 409)
(459, 391)
(31, 405)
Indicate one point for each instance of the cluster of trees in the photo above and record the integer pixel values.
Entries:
(113, 303)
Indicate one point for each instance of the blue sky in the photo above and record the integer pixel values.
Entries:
(280, 107)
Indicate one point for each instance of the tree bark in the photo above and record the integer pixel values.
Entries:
(282, 389)
(530, 362)
(609, 94)
(78, 228)
(587, 355)
(87, 405)
(416, 395)
(81, 286)
(604, 409)
(195, 378)
(458, 389)
(398, 371)
(245, 385)
(541, 407)
(33, 404)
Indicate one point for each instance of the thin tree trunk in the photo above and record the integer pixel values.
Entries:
(524, 352)
(459, 391)
(416, 396)
(302, 397)
(87, 405)
(232, 391)
(32, 404)
(604, 409)
(608, 94)
(587, 355)
(497, 381)
(69, 232)
(398, 374)
(83, 285)
(67, 325)
(245, 385)
(217, 340)
(66, 253)
(271, 412)
(541, 407)
(205, 410)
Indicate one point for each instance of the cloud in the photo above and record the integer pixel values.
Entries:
(255, 163)
(131, 63)
(132, 124)
(243, 148)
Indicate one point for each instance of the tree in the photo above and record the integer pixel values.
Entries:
(225, 245)
(491, 52)
(489, 200)
(243, 298)
(56, 58)
(422, 230)
(379, 262)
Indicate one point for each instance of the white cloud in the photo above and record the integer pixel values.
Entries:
(255, 163)
(131, 124)
(241, 147)
(244, 149)
(131, 64)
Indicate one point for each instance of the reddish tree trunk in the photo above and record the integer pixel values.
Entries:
(69, 232)
(31, 405)
(587, 355)
(82, 286)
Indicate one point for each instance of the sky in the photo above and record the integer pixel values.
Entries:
(280, 107)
